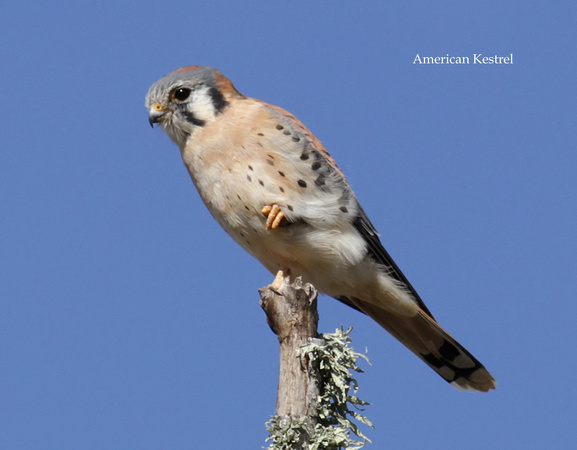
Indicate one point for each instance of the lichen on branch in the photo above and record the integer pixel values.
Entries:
(337, 406)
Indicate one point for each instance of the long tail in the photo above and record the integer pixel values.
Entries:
(424, 337)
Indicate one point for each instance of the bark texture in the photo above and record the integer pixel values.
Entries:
(291, 311)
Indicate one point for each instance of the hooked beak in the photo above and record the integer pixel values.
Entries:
(155, 114)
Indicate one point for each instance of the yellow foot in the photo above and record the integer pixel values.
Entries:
(274, 216)
(279, 279)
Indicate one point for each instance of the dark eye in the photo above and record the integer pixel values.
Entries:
(181, 94)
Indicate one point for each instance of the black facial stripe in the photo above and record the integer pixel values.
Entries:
(217, 99)
(191, 118)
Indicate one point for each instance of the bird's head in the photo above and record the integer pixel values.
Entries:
(188, 98)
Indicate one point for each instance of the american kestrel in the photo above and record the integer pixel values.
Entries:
(274, 188)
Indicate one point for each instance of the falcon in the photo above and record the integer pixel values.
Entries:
(270, 183)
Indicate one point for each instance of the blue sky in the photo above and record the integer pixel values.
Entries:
(129, 320)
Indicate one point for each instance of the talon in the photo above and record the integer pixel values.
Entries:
(274, 216)
(279, 279)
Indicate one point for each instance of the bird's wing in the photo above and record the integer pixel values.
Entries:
(313, 148)
(364, 226)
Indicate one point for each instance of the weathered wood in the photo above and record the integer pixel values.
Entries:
(291, 311)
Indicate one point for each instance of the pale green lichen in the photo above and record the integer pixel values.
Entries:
(335, 362)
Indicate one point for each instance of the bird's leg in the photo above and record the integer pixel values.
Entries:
(274, 216)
